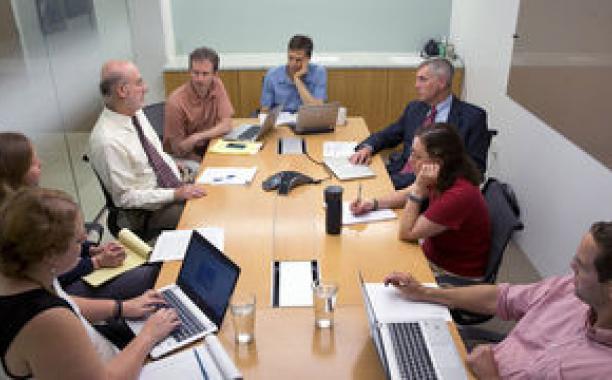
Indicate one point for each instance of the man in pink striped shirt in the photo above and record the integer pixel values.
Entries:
(564, 328)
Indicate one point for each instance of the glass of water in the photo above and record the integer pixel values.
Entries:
(324, 300)
(242, 307)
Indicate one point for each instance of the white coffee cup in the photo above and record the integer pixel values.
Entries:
(341, 120)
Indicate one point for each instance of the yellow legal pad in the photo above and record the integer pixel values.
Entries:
(136, 253)
(235, 147)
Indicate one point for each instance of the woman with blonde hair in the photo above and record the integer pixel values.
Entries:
(44, 333)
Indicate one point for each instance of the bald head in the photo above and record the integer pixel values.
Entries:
(122, 86)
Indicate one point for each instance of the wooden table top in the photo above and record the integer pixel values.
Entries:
(262, 226)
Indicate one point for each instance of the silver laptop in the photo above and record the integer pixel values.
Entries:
(344, 170)
(316, 118)
(249, 132)
(200, 296)
(414, 350)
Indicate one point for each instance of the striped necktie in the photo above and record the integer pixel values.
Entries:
(429, 120)
(165, 176)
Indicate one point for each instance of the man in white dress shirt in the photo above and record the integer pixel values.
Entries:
(126, 153)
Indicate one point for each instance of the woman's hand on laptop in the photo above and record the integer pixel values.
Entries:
(159, 325)
(143, 305)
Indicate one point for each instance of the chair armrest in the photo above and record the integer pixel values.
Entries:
(97, 230)
(455, 281)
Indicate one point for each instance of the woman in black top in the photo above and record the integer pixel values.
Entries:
(44, 333)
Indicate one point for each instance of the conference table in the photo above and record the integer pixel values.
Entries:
(261, 227)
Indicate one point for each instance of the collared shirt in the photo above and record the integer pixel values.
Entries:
(443, 109)
(118, 157)
(278, 88)
(187, 113)
(554, 337)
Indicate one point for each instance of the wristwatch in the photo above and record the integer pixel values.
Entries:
(416, 199)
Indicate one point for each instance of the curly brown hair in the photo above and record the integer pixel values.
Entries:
(15, 160)
(442, 141)
(35, 223)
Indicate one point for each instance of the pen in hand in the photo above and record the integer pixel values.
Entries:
(359, 194)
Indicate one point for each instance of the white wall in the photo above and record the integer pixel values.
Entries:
(561, 189)
(148, 45)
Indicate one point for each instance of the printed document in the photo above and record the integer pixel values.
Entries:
(227, 176)
(172, 244)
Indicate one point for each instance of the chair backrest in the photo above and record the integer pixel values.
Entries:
(155, 114)
(111, 219)
(504, 214)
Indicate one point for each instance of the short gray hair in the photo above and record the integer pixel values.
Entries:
(441, 68)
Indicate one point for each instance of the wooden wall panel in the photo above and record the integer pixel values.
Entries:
(362, 91)
(250, 84)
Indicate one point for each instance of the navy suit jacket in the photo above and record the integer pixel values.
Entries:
(471, 123)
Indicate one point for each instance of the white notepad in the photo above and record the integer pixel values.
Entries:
(373, 216)
(295, 284)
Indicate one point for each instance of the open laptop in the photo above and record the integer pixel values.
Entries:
(316, 118)
(249, 132)
(200, 296)
(413, 350)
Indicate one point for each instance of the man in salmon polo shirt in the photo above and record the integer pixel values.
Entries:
(564, 324)
(198, 110)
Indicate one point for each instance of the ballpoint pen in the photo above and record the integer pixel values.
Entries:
(359, 193)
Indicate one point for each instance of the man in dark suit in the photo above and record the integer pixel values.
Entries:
(435, 104)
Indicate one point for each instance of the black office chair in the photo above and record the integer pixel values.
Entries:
(155, 114)
(504, 213)
(113, 211)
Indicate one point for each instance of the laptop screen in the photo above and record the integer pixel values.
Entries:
(208, 277)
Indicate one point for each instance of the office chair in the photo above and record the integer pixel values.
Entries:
(155, 114)
(113, 211)
(504, 214)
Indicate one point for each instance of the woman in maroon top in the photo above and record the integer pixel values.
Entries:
(455, 227)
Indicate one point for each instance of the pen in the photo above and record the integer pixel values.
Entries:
(359, 193)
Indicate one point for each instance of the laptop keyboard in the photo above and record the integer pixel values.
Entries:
(249, 133)
(190, 324)
(411, 351)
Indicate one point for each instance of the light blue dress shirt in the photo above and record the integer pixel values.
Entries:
(443, 109)
(278, 88)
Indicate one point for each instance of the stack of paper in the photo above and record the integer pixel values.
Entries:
(235, 147)
(338, 148)
(172, 245)
(372, 216)
(391, 305)
(286, 118)
(227, 176)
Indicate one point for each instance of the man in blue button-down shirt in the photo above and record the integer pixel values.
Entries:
(299, 82)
